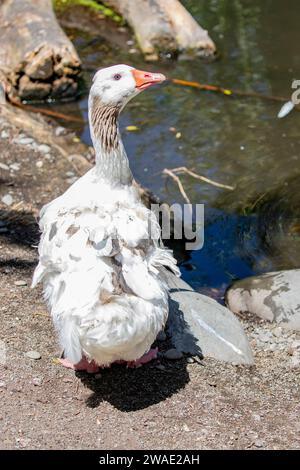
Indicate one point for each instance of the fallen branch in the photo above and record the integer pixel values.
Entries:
(180, 186)
(183, 169)
(230, 92)
(173, 173)
(46, 112)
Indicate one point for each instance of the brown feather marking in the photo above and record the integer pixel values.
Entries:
(104, 122)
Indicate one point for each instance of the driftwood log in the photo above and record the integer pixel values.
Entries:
(164, 26)
(37, 60)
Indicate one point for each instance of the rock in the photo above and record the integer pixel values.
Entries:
(272, 296)
(7, 200)
(60, 131)
(43, 148)
(39, 164)
(190, 360)
(4, 134)
(161, 336)
(160, 367)
(295, 362)
(98, 376)
(24, 140)
(199, 325)
(4, 167)
(259, 444)
(20, 283)
(33, 355)
(173, 354)
(37, 381)
(15, 166)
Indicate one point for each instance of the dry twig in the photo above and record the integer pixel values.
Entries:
(173, 173)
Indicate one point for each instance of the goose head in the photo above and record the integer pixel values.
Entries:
(115, 86)
(111, 90)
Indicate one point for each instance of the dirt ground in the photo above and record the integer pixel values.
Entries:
(166, 405)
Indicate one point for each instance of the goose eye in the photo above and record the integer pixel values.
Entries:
(117, 76)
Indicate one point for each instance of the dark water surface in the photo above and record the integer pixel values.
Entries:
(239, 142)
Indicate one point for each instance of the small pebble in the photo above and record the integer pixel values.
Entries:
(98, 376)
(20, 283)
(161, 336)
(59, 131)
(160, 367)
(43, 148)
(72, 180)
(2, 385)
(33, 355)
(7, 200)
(24, 140)
(173, 354)
(190, 360)
(277, 331)
(39, 164)
(258, 443)
(4, 167)
(4, 135)
(15, 166)
(37, 381)
(295, 362)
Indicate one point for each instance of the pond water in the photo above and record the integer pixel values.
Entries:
(236, 141)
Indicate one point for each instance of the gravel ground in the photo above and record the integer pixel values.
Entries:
(169, 404)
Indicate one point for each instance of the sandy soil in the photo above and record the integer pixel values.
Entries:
(166, 405)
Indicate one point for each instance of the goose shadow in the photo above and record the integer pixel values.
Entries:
(19, 227)
(137, 389)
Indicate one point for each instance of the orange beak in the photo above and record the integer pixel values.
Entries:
(145, 79)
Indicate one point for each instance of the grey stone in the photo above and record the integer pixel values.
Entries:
(4, 134)
(43, 148)
(33, 355)
(24, 140)
(37, 381)
(199, 325)
(7, 200)
(272, 296)
(3, 166)
(15, 166)
(173, 354)
(20, 283)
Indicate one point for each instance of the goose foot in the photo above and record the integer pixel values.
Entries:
(147, 357)
(84, 364)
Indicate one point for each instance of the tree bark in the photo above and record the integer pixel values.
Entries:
(37, 60)
(164, 27)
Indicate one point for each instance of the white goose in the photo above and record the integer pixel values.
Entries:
(100, 265)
